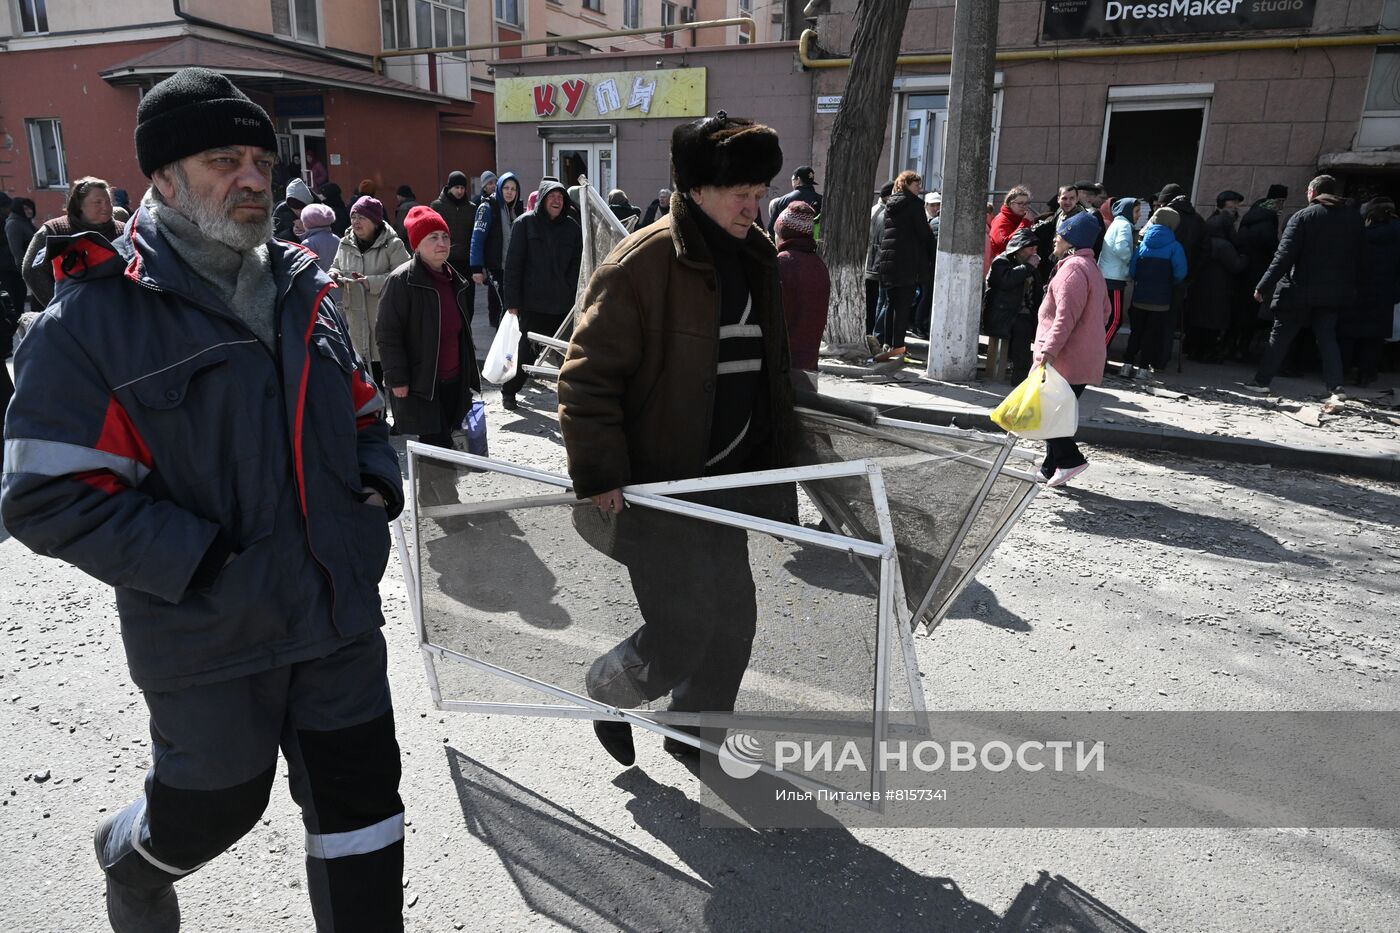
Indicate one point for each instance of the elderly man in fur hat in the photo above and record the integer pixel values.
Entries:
(679, 368)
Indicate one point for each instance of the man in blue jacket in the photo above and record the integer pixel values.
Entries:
(192, 426)
(1158, 267)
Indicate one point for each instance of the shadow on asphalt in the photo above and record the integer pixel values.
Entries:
(583, 878)
(978, 602)
(485, 562)
(1129, 519)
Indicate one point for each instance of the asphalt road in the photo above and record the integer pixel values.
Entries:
(1157, 583)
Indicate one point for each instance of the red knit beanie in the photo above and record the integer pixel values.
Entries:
(420, 222)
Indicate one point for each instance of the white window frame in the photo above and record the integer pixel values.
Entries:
(41, 28)
(631, 14)
(292, 20)
(670, 14)
(588, 6)
(1160, 97)
(31, 128)
(518, 23)
(937, 84)
(1378, 127)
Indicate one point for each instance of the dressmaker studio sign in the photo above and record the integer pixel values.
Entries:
(1113, 19)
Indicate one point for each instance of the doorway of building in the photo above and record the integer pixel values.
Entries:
(309, 147)
(568, 161)
(1149, 147)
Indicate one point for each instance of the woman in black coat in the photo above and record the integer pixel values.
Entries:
(1362, 329)
(903, 262)
(425, 343)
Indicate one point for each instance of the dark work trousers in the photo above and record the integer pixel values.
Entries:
(1244, 321)
(1149, 343)
(923, 310)
(1022, 336)
(1062, 453)
(1115, 310)
(543, 324)
(437, 482)
(695, 591)
(1364, 353)
(1286, 327)
(902, 299)
(495, 307)
(214, 749)
(873, 296)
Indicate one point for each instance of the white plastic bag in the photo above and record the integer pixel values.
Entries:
(1042, 406)
(500, 360)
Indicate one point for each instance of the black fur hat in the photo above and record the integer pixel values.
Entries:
(724, 151)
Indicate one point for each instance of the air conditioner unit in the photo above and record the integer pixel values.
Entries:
(687, 14)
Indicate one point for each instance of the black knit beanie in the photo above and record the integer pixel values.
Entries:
(193, 110)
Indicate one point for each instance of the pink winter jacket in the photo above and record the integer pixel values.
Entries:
(1074, 319)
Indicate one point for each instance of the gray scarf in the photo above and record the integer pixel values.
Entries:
(243, 280)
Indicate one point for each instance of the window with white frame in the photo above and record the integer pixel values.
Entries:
(745, 7)
(508, 11)
(423, 24)
(668, 14)
(297, 19)
(631, 14)
(1380, 117)
(46, 152)
(595, 6)
(33, 17)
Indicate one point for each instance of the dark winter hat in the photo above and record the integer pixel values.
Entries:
(886, 189)
(1081, 230)
(1277, 193)
(6, 202)
(1170, 192)
(724, 151)
(805, 174)
(457, 178)
(1020, 239)
(369, 208)
(1228, 195)
(404, 191)
(1088, 186)
(193, 110)
(420, 222)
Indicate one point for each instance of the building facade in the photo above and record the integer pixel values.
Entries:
(1219, 114)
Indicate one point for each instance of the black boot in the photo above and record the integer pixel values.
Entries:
(131, 909)
(616, 739)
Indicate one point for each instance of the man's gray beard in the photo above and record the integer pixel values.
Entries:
(213, 220)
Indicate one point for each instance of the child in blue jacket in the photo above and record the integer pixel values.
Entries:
(1157, 268)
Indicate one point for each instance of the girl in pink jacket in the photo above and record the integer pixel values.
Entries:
(1069, 336)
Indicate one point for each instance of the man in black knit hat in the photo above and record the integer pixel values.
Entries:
(679, 368)
(192, 426)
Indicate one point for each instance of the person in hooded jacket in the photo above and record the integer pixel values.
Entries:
(495, 221)
(1219, 284)
(541, 275)
(903, 262)
(425, 339)
(626, 214)
(875, 297)
(1116, 256)
(1069, 333)
(1257, 239)
(806, 283)
(1314, 275)
(88, 208)
(287, 214)
(1363, 327)
(1157, 270)
(1007, 299)
(365, 256)
(455, 207)
(331, 197)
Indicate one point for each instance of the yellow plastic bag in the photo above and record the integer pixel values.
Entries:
(1042, 406)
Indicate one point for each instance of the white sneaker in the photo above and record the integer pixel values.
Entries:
(1063, 476)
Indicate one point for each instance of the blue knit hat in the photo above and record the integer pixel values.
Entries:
(1081, 230)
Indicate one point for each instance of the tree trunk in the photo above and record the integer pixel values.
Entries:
(853, 162)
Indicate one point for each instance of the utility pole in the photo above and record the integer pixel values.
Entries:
(962, 235)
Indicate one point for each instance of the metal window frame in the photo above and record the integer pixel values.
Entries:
(658, 496)
(31, 125)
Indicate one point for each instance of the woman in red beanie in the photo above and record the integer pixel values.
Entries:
(806, 283)
(426, 347)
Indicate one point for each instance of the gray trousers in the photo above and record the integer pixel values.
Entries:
(214, 756)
